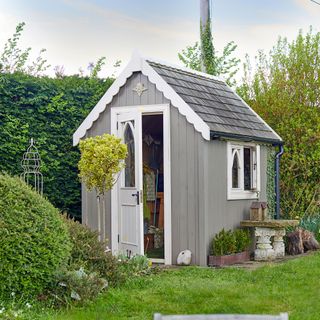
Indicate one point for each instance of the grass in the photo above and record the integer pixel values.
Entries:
(291, 287)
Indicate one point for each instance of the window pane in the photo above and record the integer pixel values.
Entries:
(247, 168)
(129, 176)
(235, 171)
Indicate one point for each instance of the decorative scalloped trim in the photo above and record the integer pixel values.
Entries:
(105, 100)
(176, 100)
(139, 64)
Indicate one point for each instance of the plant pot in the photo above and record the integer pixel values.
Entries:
(219, 261)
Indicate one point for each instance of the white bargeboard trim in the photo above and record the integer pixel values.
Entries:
(147, 109)
(138, 63)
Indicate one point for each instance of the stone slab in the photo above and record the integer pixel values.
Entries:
(276, 224)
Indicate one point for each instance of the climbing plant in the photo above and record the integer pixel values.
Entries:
(205, 55)
(271, 181)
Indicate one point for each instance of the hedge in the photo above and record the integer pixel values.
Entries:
(49, 110)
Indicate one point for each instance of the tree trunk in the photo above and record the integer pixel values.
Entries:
(99, 217)
(103, 218)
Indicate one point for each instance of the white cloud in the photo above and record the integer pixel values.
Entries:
(73, 40)
(310, 7)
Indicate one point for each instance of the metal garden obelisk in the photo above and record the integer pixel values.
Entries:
(31, 163)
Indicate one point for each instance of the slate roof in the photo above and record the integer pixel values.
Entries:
(223, 111)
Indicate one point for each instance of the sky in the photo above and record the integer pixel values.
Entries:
(76, 33)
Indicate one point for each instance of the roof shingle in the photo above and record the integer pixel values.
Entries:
(223, 111)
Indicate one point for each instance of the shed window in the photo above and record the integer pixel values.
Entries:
(236, 169)
(243, 171)
(129, 172)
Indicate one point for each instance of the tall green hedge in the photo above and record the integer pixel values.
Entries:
(49, 110)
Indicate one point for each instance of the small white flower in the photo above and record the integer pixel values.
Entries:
(28, 305)
(2, 310)
(13, 294)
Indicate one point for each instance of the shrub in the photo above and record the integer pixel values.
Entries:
(91, 254)
(242, 238)
(311, 223)
(135, 266)
(34, 239)
(224, 243)
(77, 286)
(102, 158)
(228, 242)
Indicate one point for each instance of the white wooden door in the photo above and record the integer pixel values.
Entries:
(130, 206)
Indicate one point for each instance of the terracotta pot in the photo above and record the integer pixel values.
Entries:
(219, 261)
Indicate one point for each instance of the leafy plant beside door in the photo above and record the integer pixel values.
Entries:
(102, 158)
(229, 247)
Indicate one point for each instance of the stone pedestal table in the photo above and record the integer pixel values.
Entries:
(269, 237)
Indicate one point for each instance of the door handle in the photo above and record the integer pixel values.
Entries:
(137, 194)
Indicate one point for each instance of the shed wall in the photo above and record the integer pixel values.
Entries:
(223, 213)
(125, 97)
(188, 157)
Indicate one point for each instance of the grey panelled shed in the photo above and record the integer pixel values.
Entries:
(197, 158)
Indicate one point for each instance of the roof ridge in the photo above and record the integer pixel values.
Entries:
(184, 69)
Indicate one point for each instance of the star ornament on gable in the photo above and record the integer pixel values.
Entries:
(139, 89)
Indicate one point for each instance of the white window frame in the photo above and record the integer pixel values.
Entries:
(240, 193)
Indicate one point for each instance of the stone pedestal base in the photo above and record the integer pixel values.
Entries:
(264, 250)
(278, 244)
(268, 230)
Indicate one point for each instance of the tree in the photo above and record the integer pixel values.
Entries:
(101, 160)
(284, 88)
(14, 59)
(206, 58)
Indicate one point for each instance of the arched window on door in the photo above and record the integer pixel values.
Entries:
(129, 172)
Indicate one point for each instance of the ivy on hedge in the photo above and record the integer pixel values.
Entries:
(49, 110)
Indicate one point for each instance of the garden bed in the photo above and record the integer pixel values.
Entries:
(219, 261)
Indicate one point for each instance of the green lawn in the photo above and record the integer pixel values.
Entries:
(292, 287)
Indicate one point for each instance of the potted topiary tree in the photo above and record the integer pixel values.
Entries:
(229, 247)
(102, 158)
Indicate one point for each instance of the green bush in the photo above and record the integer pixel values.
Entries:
(135, 266)
(223, 243)
(91, 254)
(76, 287)
(311, 223)
(34, 240)
(242, 238)
(228, 242)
